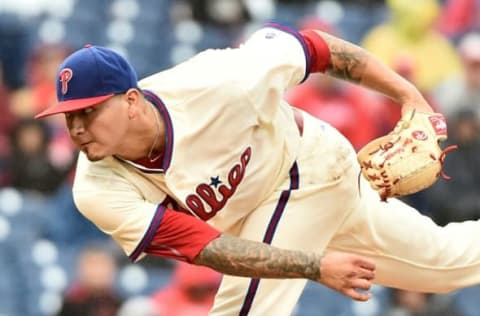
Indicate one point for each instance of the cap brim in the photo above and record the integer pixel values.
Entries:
(72, 105)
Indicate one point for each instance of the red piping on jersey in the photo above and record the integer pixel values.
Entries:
(318, 51)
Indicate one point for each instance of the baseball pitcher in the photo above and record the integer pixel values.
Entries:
(206, 163)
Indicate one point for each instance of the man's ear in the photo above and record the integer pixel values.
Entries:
(132, 96)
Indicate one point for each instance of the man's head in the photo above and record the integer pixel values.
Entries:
(96, 88)
(88, 77)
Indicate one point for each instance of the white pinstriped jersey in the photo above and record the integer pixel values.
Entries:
(230, 140)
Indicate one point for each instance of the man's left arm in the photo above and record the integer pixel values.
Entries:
(352, 63)
(409, 158)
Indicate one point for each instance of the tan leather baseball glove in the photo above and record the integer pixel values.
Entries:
(408, 159)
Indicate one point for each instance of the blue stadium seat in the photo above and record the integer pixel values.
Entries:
(290, 14)
(318, 300)
(465, 301)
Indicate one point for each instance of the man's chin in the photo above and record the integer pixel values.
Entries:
(93, 156)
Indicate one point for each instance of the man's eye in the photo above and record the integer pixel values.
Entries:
(88, 110)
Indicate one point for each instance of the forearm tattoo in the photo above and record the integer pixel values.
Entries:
(347, 61)
(241, 257)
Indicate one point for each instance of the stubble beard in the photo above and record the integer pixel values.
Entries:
(92, 156)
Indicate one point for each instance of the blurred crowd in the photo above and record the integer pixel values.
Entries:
(54, 262)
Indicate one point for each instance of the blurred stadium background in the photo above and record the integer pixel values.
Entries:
(54, 262)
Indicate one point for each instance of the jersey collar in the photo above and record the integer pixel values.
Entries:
(168, 149)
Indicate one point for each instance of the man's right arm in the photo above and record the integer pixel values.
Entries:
(240, 257)
(342, 272)
(141, 227)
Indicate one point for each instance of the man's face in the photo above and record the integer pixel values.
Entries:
(99, 130)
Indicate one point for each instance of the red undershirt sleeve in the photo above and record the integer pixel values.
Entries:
(180, 236)
(318, 51)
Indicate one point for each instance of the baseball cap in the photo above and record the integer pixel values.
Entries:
(89, 76)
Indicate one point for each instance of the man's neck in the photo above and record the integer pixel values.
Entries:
(147, 139)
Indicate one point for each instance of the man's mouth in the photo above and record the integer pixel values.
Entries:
(84, 145)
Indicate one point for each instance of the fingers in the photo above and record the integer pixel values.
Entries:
(358, 296)
(366, 274)
(361, 284)
(366, 268)
(363, 279)
(349, 274)
(365, 263)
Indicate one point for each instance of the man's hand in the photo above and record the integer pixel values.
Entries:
(346, 273)
(409, 159)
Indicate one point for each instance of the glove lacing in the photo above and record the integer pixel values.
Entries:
(441, 159)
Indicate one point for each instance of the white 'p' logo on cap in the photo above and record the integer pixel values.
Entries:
(65, 76)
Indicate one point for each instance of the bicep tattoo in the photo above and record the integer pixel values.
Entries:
(347, 61)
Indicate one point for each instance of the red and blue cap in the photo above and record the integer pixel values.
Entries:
(89, 76)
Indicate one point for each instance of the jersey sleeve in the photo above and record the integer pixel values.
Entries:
(119, 209)
(179, 236)
(272, 60)
(141, 227)
(277, 46)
